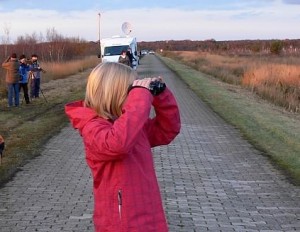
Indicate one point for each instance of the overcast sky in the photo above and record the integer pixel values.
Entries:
(153, 20)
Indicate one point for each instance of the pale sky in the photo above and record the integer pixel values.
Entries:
(153, 20)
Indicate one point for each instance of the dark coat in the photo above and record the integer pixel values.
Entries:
(124, 60)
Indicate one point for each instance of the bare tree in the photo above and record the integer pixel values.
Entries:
(27, 44)
(56, 45)
(6, 38)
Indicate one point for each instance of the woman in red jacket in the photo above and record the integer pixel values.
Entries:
(118, 135)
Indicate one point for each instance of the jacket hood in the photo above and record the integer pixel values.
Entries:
(79, 115)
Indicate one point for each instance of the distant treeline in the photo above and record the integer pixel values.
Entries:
(51, 47)
(234, 47)
(54, 51)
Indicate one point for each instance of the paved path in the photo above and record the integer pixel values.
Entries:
(211, 179)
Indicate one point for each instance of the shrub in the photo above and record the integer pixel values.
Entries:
(276, 47)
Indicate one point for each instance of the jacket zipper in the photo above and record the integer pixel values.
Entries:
(120, 203)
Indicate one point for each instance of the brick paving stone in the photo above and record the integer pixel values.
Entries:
(211, 179)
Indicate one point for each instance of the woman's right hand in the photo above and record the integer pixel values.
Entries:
(145, 82)
(142, 83)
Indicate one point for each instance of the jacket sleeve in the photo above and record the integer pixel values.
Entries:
(164, 127)
(107, 141)
(34, 68)
(6, 65)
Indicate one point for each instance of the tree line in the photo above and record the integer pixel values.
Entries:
(51, 47)
(242, 47)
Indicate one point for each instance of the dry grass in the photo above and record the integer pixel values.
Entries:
(279, 83)
(59, 70)
(276, 79)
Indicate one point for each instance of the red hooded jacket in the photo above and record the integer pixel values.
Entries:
(126, 191)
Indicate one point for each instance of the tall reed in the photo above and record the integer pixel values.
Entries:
(274, 78)
(60, 70)
(279, 83)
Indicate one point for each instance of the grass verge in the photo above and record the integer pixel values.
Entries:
(269, 128)
(27, 128)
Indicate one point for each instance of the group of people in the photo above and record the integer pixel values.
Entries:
(126, 58)
(20, 72)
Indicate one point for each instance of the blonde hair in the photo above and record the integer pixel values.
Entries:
(107, 88)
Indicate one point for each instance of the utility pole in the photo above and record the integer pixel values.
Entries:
(99, 55)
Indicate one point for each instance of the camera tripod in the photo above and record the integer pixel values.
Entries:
(31, 78)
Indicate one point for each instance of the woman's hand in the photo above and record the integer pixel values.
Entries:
(145, 82)
(142, 83)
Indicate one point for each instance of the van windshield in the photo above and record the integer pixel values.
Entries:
(114, 50)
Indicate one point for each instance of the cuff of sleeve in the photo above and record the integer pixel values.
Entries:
(159, 98)
(135, 87)
(139, 91)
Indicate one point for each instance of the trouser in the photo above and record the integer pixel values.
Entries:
(35, 87)
(24, 86)
(13, 93)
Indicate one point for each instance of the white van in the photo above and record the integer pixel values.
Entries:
(111, 49)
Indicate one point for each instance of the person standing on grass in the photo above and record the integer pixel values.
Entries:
(24, 69)
(35, 76)
(118, 134)
(11, 65)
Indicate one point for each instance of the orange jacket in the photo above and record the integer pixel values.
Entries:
(12, 74)
(126, 191)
